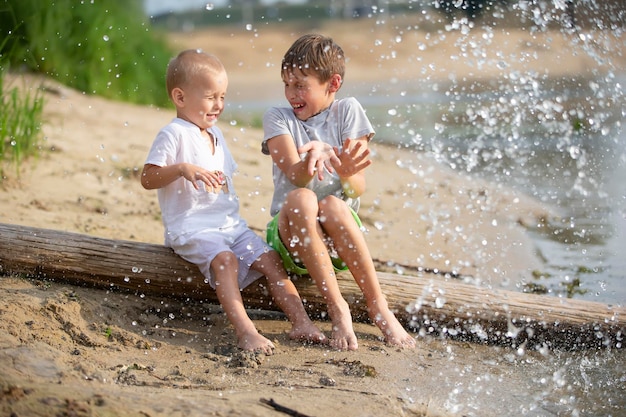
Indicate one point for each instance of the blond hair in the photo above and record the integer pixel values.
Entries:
(182, 69)
(317, 54)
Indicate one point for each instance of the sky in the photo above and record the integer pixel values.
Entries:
(155, 7)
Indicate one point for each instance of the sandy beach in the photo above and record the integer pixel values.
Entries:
(74, 351)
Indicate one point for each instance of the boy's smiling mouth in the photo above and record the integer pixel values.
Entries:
(298, 109)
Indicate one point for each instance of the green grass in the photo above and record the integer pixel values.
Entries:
(20, 118)
(20, 121)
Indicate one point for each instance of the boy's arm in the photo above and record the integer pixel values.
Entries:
(300, 172)
(154, 176)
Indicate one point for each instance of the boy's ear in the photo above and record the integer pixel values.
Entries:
(334, 83)
(178, 96)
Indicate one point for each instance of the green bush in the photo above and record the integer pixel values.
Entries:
(105, 48)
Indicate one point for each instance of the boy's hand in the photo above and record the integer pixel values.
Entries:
(353, 158)
(214, 180)
(319, 156)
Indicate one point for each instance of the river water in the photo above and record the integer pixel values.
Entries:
(576, 166)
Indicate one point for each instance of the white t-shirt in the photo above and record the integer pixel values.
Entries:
(183, 208)
(344, 119)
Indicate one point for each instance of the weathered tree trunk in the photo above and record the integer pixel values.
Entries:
(427, 303)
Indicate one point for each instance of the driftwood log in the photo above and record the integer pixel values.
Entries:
(429, 304)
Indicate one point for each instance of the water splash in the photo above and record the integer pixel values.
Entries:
(524, 123)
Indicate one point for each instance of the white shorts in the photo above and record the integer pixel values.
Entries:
(202, 247)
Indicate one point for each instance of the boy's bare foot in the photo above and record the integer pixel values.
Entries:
(342, 336)
(308, 332)
(393, 332)
(255, 342)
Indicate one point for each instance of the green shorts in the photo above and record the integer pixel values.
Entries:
(273, 239)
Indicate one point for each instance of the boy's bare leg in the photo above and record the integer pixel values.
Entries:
(286, 296)
(224, 268)
(300, 231)
(352, 248)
